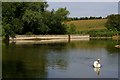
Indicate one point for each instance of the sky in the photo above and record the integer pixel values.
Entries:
(82, 0)
(60, 0)
(82, 9)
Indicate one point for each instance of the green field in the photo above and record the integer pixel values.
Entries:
(83, 25)
(95, 28)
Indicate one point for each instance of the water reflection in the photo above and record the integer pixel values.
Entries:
(97, 70)
(59, 60)
(23, 62)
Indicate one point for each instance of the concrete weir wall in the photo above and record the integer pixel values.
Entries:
(19, 39)
(48, 37)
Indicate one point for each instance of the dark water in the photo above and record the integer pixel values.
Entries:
(60, 60)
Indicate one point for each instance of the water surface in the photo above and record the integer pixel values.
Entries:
(60, 60)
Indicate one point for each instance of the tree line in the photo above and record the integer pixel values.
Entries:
(32, 18)
(113, 22)
(84, 18)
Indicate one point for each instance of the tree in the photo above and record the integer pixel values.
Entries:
(71, 29)
(21, 17)
(34, 22)
(56, 20)
(32, 17)
(62, 13)
(113, 22)
(11, 20)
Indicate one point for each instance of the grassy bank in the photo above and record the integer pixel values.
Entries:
(82, 25)
(99, 33)
(95, 28)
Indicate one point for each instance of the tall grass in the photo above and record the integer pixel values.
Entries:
(95, 28)
(99, 33)
(82, 25)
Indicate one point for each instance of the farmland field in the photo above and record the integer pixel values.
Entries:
(82, 25)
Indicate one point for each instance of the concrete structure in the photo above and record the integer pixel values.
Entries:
(48, 38)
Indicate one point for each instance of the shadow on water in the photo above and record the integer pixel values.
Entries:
(30, 60)
(17, 62)
(13, 69)
(19, 69)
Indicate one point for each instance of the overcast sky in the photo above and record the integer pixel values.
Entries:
(80, 9)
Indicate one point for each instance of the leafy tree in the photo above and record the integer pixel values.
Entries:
(71, 29)
(11, 20)
(32, 17)
(21, 17)
(113, 22)
(55, 21)
(34, 22)
(62, 13)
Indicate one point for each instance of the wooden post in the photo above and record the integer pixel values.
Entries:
(68, 37)
(117, 36)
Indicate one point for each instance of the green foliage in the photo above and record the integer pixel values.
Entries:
(34, 21)
(99, 33)
(11, 20)
(29, 33)
(8, 30)
(55, 19)
(83, 18)
(71, 29)
(25, 17)
(113, 22)
(62, 13)
(0, 28)
(82, 25)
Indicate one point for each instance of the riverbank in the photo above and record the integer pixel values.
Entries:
(54, 38)
(116, 37)
(47, 38)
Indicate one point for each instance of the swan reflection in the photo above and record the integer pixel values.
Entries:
(97, 70)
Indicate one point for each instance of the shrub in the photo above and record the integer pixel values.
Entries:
(29, 33)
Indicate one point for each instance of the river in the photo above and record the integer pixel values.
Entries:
(60, 59)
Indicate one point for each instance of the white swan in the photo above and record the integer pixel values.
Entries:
(97, 64)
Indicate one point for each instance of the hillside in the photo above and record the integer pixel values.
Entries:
(82, 25)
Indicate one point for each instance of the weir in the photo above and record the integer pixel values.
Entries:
(48, 38)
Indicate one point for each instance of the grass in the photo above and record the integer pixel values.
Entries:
(85, 25)
(95, 28)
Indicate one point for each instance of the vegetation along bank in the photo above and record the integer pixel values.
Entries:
(33, 18)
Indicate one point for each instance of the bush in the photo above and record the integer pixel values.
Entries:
(99, 33)
(29, 33)
(71, 29)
